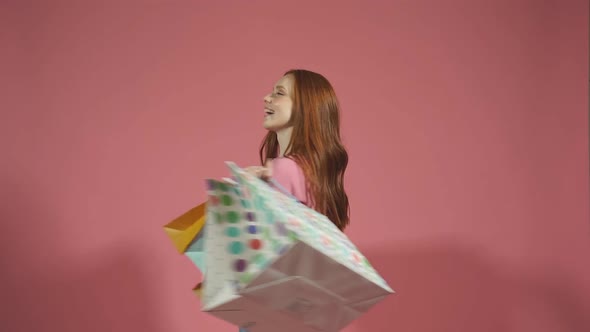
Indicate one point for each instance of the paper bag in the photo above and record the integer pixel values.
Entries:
(186, 234)
(274, 264)
(184, 228)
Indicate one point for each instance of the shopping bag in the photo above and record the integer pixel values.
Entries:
(273, 264)
(186, 234)
(195, 252)
(183, 229)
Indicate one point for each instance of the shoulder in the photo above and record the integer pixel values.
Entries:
(286, 168)
(290, 176)
(284, 164)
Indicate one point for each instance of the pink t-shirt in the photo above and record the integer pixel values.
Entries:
(290, 176)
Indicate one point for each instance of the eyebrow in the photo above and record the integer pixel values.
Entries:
(281, 87)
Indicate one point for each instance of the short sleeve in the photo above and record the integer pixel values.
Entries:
(290, 176)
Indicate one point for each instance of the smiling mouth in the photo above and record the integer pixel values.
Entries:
(269, 111)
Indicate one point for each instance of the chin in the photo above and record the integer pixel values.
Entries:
(268, 127)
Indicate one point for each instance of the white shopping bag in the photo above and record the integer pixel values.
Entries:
(273, 264)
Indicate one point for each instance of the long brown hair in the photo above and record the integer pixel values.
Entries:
(315, 144)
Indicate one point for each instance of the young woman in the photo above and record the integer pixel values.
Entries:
(302, 150)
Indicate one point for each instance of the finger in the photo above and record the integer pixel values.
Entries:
(268, 168)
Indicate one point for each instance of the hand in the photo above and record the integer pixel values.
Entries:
(257, 171)
(263, 172)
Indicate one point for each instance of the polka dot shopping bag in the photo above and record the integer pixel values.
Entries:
(274, 264)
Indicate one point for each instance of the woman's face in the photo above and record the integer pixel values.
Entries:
(278, 105)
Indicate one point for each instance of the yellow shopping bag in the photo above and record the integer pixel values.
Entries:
(186, 227)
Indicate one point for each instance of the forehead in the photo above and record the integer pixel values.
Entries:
(285, 82)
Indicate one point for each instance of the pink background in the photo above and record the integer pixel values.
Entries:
(466, 124)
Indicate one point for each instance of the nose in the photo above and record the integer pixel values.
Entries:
(267, 99)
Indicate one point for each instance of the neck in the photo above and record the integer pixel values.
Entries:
(284, 136)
